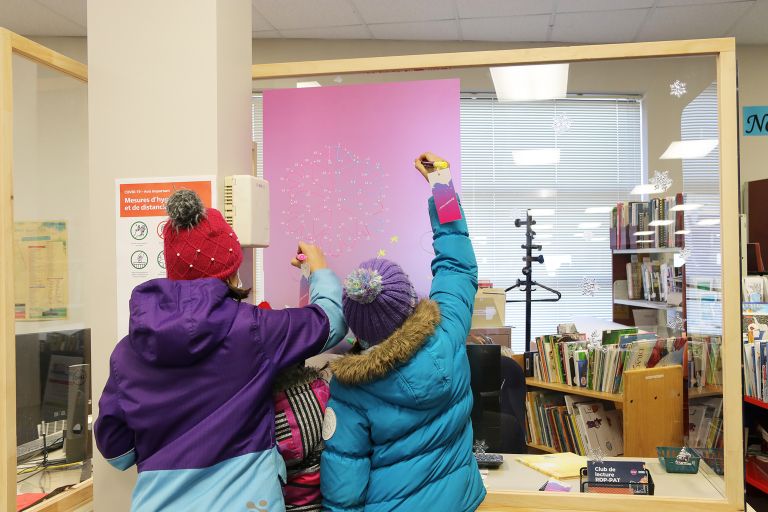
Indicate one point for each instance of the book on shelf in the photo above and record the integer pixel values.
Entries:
(705, 423)
(572, 423)
(756, 364)
(570, 360)
(653, 280)
(650, 224)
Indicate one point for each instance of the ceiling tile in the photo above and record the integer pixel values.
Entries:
(258, 22)
(753, 27)
(307, 13)
(73, 10)
(393, 11)
(494, 8)
(423, 30)
(266, 34)
(601, 5)
(349, 32)
(691, 22)
(519, 28)
(30, 18)
(614, 26)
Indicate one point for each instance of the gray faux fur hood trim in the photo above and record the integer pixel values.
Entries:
(397, 349)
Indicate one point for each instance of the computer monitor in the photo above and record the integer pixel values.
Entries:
(485, 371)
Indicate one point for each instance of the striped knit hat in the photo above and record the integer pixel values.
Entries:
(378, 297)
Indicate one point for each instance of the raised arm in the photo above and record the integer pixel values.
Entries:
(454, 268)
(294, 334)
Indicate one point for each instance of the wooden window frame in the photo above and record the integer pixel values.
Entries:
(724, 50)
(14, 44)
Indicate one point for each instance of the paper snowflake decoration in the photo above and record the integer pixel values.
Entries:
(685, 254)
(676, 322)
(594, 338)
(596, 455)
(589, 286)
(561, 123)
(480, 446)
(677, 89)
(660, 181)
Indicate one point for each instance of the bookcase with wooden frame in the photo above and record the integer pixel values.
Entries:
(649, 395)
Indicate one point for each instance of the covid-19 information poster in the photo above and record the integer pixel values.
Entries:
(141, 217)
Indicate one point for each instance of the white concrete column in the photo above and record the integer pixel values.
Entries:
(169, 94)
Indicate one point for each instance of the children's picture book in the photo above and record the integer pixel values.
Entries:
(604, 428)
(611, 337)
(580, 363)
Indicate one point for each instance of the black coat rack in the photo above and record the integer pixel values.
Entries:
(527, 284)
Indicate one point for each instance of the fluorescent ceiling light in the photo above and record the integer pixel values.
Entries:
(708, 222)
(302, 85)
(541, 212)
(644, 233)
(683, 232)
(589, 225)
(646, 188)
(644, 241)
(655, 223)
(684, 149)
(687, 207)
(599, 209)
(529, 83)
(547, 156)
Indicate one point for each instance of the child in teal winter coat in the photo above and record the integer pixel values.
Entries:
(397, 427)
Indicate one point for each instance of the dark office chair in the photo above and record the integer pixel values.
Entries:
(498, 390)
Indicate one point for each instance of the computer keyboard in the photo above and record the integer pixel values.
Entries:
(54, 439)
(489, 460)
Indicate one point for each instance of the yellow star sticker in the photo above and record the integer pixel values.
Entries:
(394, 239)
(382, 253)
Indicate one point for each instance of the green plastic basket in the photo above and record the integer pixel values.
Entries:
(668, 459)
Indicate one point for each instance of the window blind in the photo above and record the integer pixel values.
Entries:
(600, 162)
(701, 177)
(258, 138)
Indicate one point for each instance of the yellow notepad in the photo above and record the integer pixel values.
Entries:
(558, 465)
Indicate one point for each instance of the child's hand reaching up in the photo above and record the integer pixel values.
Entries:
(314, 257)
(426, 157)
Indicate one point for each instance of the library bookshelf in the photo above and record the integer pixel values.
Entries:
(623, 307)
(652, 407)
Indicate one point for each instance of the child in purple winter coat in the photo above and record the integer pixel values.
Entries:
(189, 395)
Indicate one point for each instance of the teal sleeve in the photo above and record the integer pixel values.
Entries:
(325, 291)
(346, 461)
(454, 271)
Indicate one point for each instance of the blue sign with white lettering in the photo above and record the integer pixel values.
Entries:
(755, 121)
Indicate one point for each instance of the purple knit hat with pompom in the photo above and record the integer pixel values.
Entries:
(378, 297)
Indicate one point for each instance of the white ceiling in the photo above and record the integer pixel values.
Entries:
(577, 21)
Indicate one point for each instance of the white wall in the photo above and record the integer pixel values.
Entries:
(169, 95)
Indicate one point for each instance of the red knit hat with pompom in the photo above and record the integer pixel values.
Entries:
(198, 241)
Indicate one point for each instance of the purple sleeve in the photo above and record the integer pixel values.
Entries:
(293, 334)
(114, 439)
